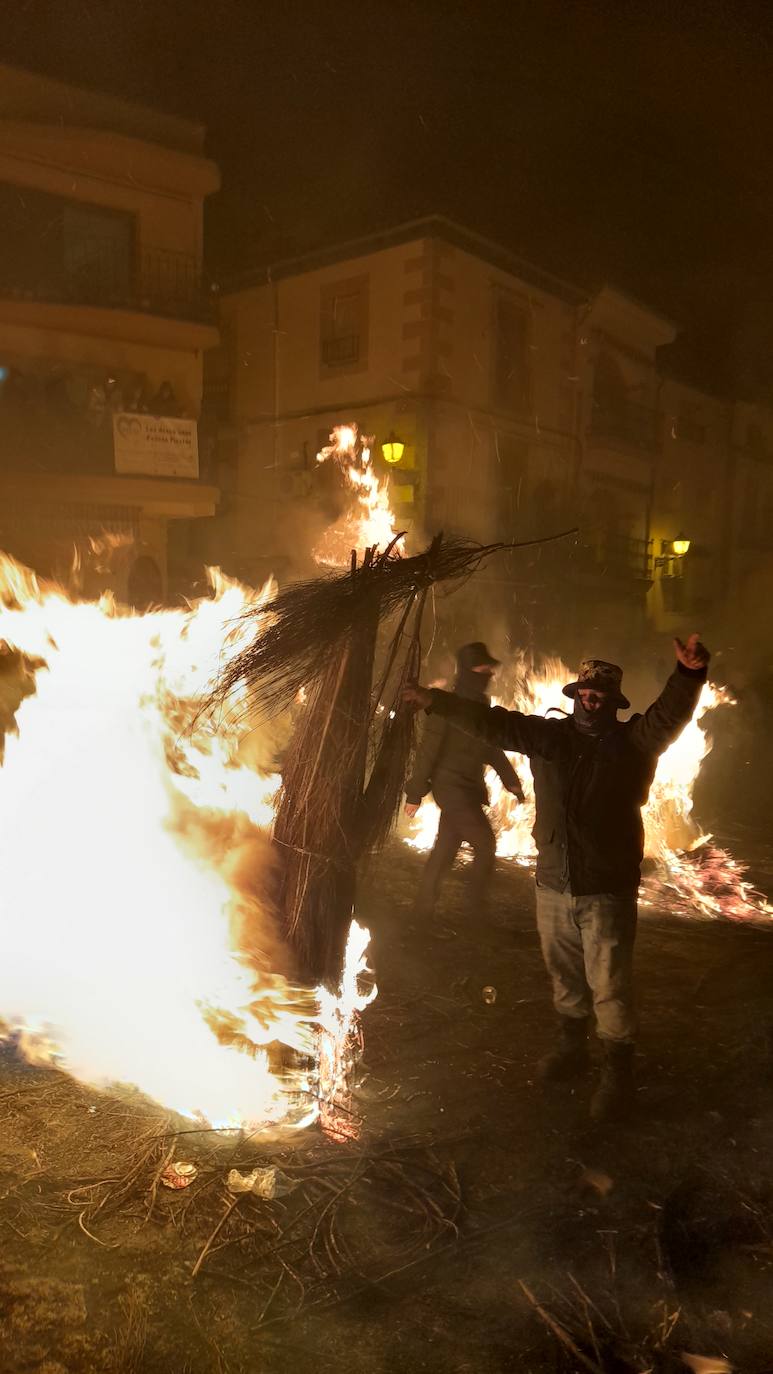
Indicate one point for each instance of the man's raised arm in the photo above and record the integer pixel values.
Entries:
(667, 717)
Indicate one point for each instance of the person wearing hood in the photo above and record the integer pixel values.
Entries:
(450, 763)
(592, 775)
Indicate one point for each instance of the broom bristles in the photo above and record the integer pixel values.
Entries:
(300, 631)
(322, 633)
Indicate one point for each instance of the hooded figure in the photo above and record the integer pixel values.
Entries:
(450, 762)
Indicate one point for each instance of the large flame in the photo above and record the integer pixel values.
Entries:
(136, 946)
(689, 872)
(368, 520)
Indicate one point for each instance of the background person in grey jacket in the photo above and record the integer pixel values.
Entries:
(450, 763)
(592, 775)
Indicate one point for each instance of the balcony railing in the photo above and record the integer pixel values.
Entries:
(100, 271)
(628, 423)
(619, 556)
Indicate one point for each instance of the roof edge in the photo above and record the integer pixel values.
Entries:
(430, 226)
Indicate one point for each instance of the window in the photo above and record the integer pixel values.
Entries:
(610, 394)
(97, 248)
(511, 361)
(344, 326)
(63, 250)
(615, 416)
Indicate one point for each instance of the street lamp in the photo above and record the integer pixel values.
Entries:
(671, 551)
(392, 448)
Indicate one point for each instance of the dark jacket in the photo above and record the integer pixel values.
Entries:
(589, 790)
(450, 762)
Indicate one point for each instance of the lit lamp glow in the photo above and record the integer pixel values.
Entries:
(680, 545)
(392, 449)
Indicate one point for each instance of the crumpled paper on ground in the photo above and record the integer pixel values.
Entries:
(268, 1182)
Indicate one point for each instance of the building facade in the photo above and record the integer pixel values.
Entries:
(526, 406)
(104, 323)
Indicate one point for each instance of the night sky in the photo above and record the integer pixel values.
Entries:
(605, 141)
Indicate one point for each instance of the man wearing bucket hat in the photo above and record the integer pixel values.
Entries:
(450, 763)
(592, 775)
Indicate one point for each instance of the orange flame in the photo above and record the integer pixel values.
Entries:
(369, 520)
(134, 948)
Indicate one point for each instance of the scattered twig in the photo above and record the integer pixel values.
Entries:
(234, 1202)
(559, 1332)
(157, 1178)
(107, 1244)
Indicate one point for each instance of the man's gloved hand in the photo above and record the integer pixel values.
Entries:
(693, 654)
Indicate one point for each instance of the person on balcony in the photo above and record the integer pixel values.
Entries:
(450, 763)
(592, 775)
(136, 395)
(165, 401)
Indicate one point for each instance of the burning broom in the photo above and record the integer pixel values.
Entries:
(346, 763)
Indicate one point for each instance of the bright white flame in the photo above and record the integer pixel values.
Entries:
(704, 878)
(131, 861)
(339, 1042)
(369, 521)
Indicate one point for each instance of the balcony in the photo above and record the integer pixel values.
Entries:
(627, 423)
(604, 553)
(99, 272)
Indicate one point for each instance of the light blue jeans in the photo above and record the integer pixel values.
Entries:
(587, 944)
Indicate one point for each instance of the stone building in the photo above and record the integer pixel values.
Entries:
(104, 322)
(526, 406)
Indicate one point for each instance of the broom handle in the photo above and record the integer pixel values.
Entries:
(415, 648)
(392, 655)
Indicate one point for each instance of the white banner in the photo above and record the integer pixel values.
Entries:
(157, 445)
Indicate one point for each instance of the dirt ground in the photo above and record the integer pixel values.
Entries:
(479, 1224)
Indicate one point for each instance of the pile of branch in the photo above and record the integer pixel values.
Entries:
(349, 1213)
(345, 767)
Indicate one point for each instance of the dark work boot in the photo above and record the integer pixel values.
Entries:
(570, 1057)
(614, 1097)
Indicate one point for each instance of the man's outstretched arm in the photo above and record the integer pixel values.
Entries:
(667, 717)
(510, 730)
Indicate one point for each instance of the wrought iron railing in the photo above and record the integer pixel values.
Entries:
(619, 555)
(100, 271)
